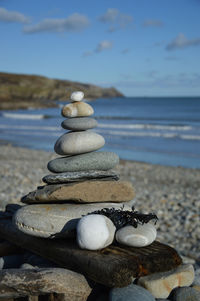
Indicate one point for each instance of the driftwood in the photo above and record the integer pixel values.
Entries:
(15, 283)
(114, 266)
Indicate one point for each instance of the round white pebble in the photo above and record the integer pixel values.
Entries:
(141, 236)
(77, 96)
(95, 232)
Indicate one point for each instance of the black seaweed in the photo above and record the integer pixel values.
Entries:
(122, 218)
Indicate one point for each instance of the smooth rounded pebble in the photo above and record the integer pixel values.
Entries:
(185, 294)
(131, 292)
(84, 162)
(75, 143)
(77, 109)
(53, 219)
(79, 123)
(95, 232)
(77, 96)
(78, 176)
(141, 236)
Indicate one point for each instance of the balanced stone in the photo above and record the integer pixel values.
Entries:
(78, 176)
(77, 109)
(74, 143)
(141, 236)
(79, 123)
(95, 232)
(77, 96)
(55, 219)
(83, 192)
(84, 162)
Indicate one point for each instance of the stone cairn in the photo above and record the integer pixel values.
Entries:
(84, 201)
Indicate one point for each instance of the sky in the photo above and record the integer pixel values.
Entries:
(140, 47)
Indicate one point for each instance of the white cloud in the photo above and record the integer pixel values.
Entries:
(181, 42)
(104, 45)
(115, 19)
(12, 16)
(153, 23)
(75, 22)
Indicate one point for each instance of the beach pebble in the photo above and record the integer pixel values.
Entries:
(131, 292)
(74, 143)
(77, 176)
(95, 232)
(77, 96)
(27, 266)
(185, 294)
(161, 284)
(77, 109)
(141, 236)
(79, 123)
(53, 220)
(84, 162)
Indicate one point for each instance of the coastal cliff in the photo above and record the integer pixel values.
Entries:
(19, 91)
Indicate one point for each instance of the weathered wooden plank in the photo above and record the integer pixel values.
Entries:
(114, 266)
(15, 283)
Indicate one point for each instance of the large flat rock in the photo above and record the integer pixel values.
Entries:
(114, 266)
(84, 192)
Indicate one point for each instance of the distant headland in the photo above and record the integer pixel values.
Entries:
(20, 91)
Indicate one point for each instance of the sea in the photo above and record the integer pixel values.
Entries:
(157, 130)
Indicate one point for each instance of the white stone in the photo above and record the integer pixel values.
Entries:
(74, 143)
(141, 236)
(77, 96)
(95, 232)
(161, 284)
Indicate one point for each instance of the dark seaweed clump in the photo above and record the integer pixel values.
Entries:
(122, 218)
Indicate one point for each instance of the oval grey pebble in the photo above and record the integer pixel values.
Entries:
(131, 292)
(185, 294)
(79, 123)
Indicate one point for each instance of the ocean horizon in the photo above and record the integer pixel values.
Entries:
(157, 130)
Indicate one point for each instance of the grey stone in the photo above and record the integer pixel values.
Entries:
(185, 294)
(79, 123)
(27, 266)
(78, 176)
(75, 143)
(54, 220)
(1, 263)
(131, 292)
(83, 162)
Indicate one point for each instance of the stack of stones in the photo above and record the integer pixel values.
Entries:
(82, 181)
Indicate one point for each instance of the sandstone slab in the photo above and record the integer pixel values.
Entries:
(75, 143)
(161, 284)
(83, 192)
(78, 176)
(84, 162)
(55, 220)
(79, 123)
(77, 109)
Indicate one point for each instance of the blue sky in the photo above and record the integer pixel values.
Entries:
(141, 47)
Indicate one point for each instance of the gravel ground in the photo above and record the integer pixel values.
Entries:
(173, 193)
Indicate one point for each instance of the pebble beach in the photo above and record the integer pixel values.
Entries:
(173, 193)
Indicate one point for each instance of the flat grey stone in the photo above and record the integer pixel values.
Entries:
(77, 176)
(79, 123)
(54, 220)
(131, 292)
(83, 162)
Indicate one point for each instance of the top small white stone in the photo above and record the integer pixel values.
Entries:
(77, 96)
